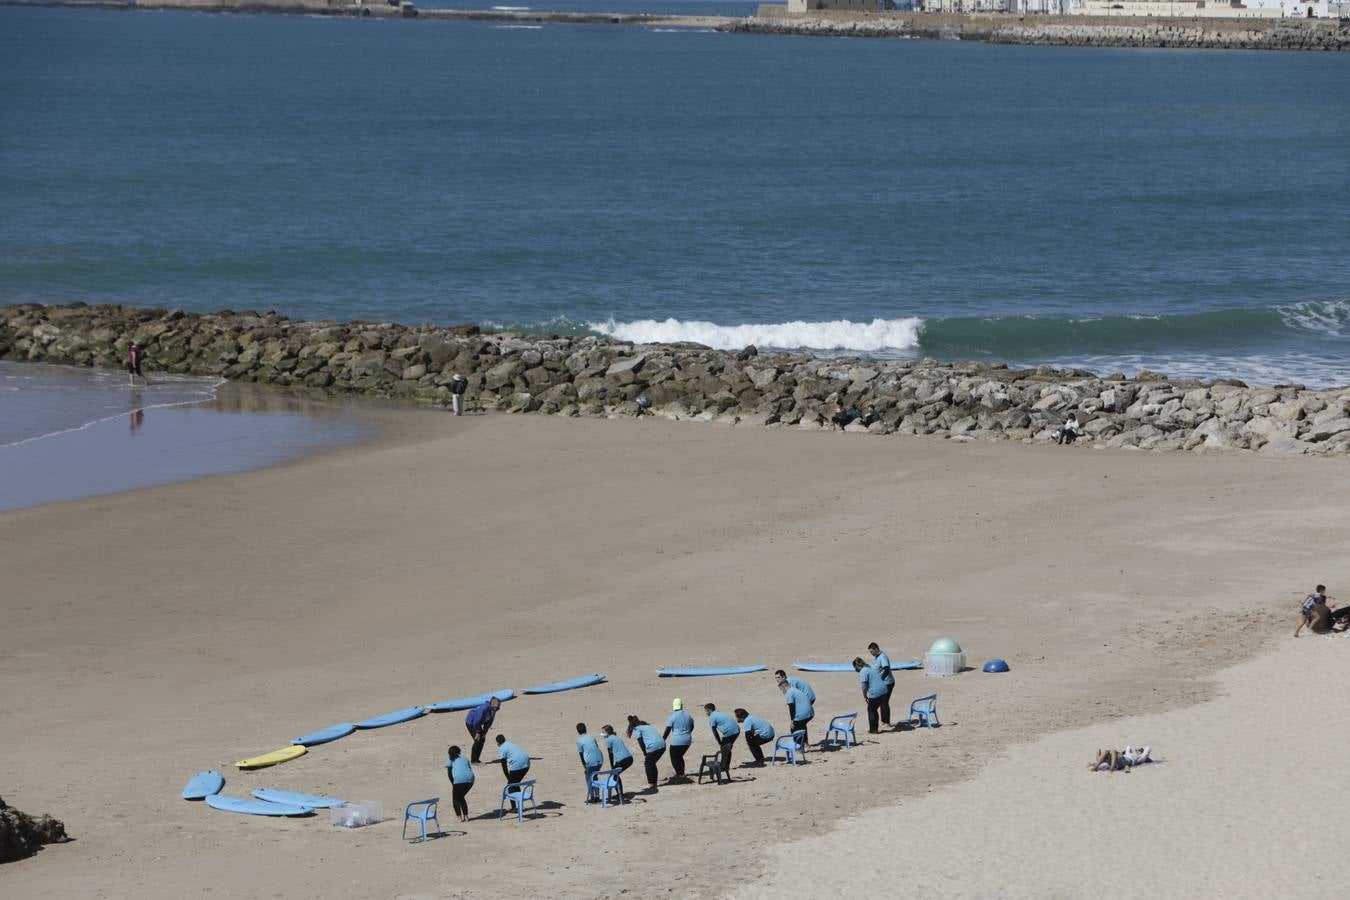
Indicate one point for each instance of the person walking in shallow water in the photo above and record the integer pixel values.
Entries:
(135, 361)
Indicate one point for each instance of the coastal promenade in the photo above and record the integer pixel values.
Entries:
(589, 376)
(997, 28)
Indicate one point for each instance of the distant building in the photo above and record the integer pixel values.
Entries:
(1208, 9)
(801, 6)
(963, 6)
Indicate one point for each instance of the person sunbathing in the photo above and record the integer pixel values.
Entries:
(1120, 760)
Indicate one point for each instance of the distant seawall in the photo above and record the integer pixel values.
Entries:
(593, 376)
(996, 28)
(1074, 31)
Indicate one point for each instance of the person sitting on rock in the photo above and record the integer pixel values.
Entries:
(871, 416)
(1069, 431)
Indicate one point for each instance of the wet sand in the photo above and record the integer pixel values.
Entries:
(456, 556)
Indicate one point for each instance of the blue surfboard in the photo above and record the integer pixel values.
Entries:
(848, 667)
(568, 685)
(251, 807)
(470, 702)
(203, 785)
(313, 801)
(696, 672)
(393, 718)
(324, 735)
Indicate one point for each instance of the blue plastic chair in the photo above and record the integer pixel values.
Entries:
(925, 710)
(423, 815)
(842, 725)
(790, 745)
(519, 794)
(607, 781)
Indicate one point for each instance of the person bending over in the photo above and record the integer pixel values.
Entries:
(515, 761)
(800, 709)
(588, 748)
(725, 731)
(873, 691)
(882, 662)
(679, 734)
(460, 774)
(478, 721)
(620, 757)
(653, 747)
(758, 732)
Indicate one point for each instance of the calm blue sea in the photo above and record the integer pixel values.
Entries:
(1184, 211)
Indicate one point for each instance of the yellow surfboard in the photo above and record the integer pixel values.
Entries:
(271, 759)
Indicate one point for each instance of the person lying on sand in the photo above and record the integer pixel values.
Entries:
(1120, 760)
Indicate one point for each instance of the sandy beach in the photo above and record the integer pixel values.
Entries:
(1138, 597)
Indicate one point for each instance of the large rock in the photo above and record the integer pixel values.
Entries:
(22, 835)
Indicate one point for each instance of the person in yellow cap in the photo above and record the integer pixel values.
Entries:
(678, 736)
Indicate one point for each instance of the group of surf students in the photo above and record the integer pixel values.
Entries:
(875, 679)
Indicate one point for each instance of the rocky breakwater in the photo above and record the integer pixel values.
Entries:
(592, 376)
(23, 835)
(1077, 31)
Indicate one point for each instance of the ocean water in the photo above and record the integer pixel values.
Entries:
(1113, 209)
(68, 432)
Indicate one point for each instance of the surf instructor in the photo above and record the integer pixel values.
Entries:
(478, 721)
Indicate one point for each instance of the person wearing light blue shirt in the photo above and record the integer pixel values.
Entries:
(799, 683)
(591, 760)
(873, 691)
(758, 732)
(725, 731)
(653, 747)
(460, 774)
(679, 734)
(800, 710)
(620, 757)
(515, 761)
(882, 662)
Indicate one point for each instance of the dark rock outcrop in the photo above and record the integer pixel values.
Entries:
(21, 835)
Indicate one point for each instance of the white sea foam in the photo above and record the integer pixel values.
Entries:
(1329, 317)
(518, 27)
(511, 8)
(876, 336)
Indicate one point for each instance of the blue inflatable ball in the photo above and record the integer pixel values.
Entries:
(996, 665)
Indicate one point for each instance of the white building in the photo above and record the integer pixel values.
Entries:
(1206, 9)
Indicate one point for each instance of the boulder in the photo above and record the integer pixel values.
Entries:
(22, 835)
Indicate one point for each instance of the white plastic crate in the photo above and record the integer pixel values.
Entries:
(355, 813)
(943, 663)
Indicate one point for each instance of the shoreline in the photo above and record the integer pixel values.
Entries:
(1129, 628)
(585, 376)
(1285, 34)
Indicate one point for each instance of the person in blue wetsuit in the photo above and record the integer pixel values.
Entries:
(758, 732)
(478, 721)
(799, 683)
(653, 748)
(620, 757)
(882, 663)
(679, 734)
(588, 748)
(725, 731)
(800, 709)
(873, 690)
(460, 774)
(515, 761)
